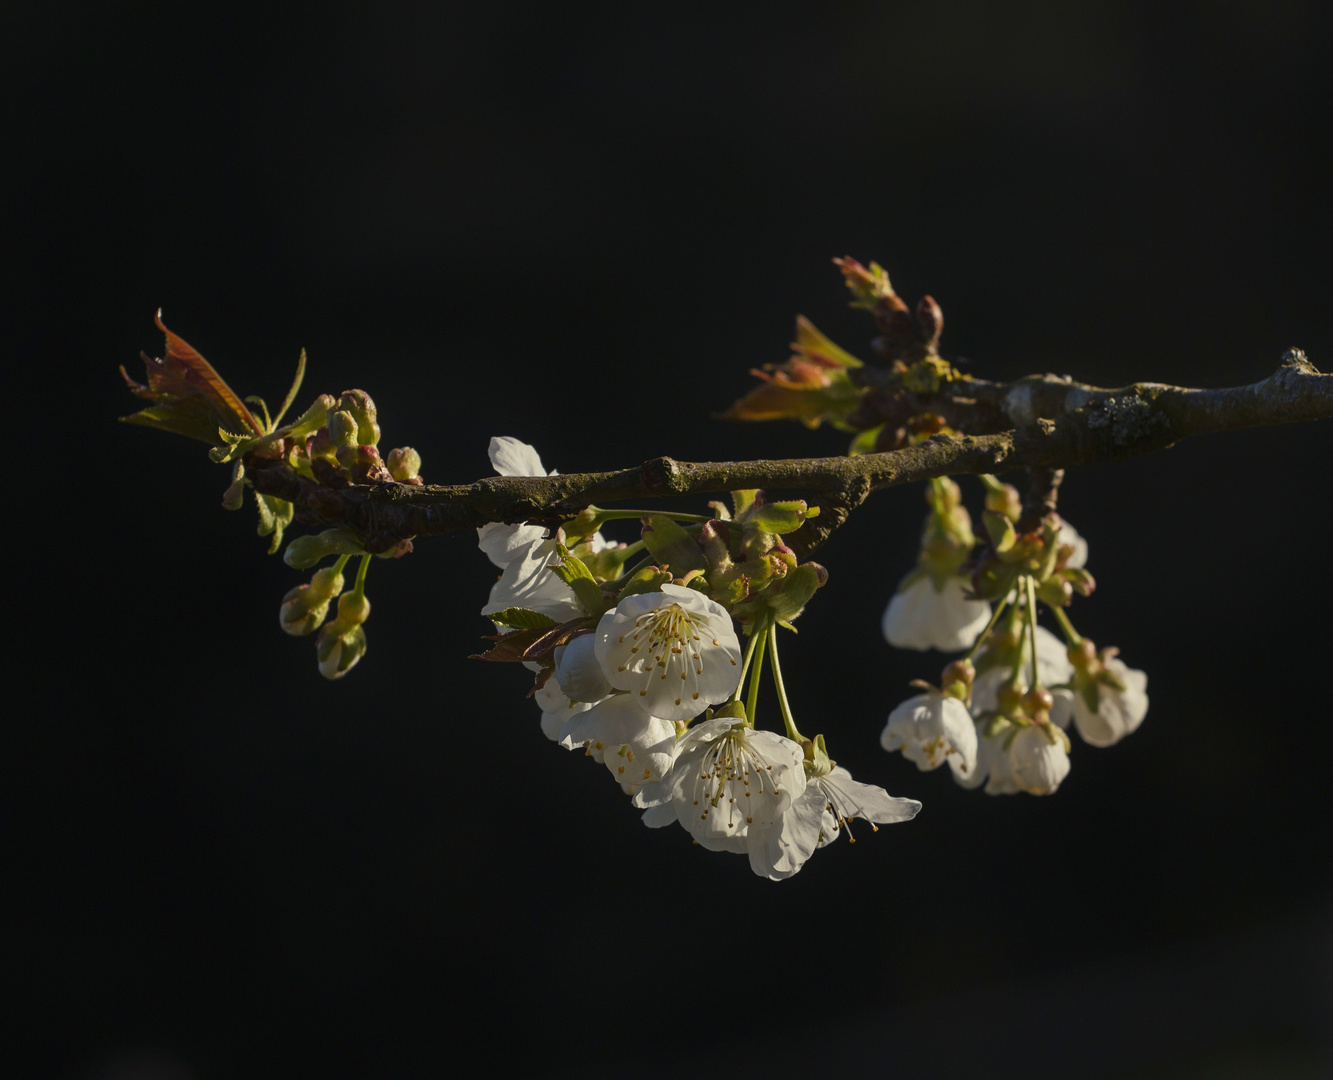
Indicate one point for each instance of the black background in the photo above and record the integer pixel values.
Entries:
(582, 228)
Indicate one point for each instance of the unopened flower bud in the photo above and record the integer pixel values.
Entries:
(342, 429)
(353, 610)
(404, 465)
(1082, 654)
(362, 464)
(929, 318)
(305, 607)
(959, 671)
(1057, 592)
(1010, 699)
(1037, 702)
(337, 652)
(358, 404)
(1005, 501)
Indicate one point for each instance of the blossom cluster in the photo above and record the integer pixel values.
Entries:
(642, 668)
(1002, 712)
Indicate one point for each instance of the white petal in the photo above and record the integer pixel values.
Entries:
(1118, 713)
(578, 672)
(930, 729)
(1038, 764)
(512, 457)
(676, 651)
(1069, 535)
(922, 616)
(853, 799)
(529, 582)
(504, 544)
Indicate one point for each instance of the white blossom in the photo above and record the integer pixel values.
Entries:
(1038, 759)
(675, 651)
(819, 817)
(636, 747)
(1053, 668)
(524, 553)
(577, 671)
(557, 709)
(933, 613)
(930, 729)
(1118, 712)
(728, 783)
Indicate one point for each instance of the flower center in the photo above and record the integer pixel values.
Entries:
(672, 641)
(731, 770)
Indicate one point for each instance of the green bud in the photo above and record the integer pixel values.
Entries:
(353, 610)
(337, 652)
(670, 545)
(732, 710)
(1005, 500)
(305, 607)
(342, 428)
(1000, 530)
(305, 551)
(361, 408)
(404, 464)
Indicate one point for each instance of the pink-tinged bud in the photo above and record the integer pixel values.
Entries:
(362, 465)
(404, 465)
(821, 573)
(929, 319)
(1082, 654)
(1037, 702)
(358, 405)
(320, 445)
(958, 671)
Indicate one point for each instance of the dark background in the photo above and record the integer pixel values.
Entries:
(582, 228)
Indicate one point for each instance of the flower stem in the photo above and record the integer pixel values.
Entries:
(792, 732)
(981, 638)
(1032, 629)
(745, 664)
(360, 587)
(756, 673)
(342, 561)
(616, 515)
(1071, 635)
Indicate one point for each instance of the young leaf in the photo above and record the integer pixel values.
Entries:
(521, 618)
(671, 545)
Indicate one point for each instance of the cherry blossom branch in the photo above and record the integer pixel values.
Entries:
(1040, 422)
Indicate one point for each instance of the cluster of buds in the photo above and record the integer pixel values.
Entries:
(1049, 553)
(345, 450)
(641, 666)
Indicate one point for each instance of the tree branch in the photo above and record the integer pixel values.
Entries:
(1040, 422)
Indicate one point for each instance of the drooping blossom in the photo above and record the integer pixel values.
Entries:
(930, 612)
(1109, 699)
(930, 729)
(675, 651)
(636, 747)
(1053, 669)
(822, 813)
(727, 780)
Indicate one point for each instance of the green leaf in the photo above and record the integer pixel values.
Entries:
(291, 394)
(807, 337)
(782, 517)
(578, 577)
(671, 545)
(521, 618)
(865, 442)
(274, 516)
(649, 579)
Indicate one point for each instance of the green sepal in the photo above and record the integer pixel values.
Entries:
(649, 579)
(1000, 530)
(303, 552)
(671, 545)
(574, 573)
(1080, 581)
(521, 618)
(233, 446)
(731, 710)
(817, 761)
(742, 500)
(865, 442)
(235, 493)
(782, 517)
(788, 598)
(587, 522)
(274, 516)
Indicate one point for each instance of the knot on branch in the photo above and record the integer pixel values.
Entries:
(661, 474)
(1294, 359)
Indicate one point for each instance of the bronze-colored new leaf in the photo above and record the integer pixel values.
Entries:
(189, 397)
